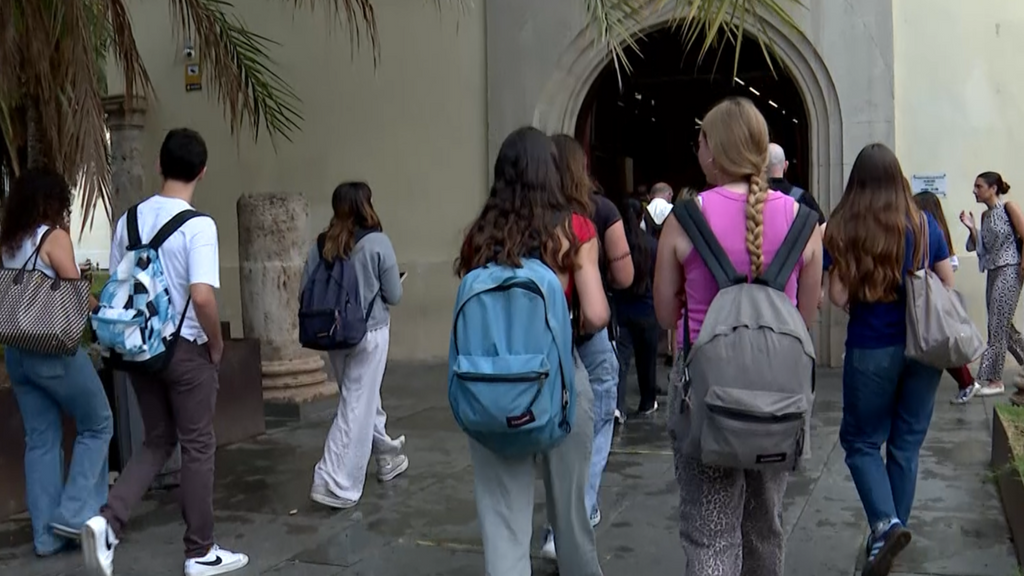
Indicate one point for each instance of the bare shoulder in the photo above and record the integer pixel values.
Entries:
(59, 235)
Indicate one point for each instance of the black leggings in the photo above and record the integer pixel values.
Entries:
(638, 335)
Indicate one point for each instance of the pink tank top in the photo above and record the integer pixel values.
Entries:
(726, 213)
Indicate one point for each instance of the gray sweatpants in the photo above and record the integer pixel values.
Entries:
(503, 489)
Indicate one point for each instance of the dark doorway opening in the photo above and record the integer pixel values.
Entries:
(645, 131)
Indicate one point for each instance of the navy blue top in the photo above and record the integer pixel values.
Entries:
(884, 324)
(630, 302)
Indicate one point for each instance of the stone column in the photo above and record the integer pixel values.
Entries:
(126, 122)
(272, 249)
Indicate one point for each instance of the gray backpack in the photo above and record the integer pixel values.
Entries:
(748, 380)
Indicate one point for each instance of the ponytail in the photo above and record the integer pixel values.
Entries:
(337, 240)
(756, 198)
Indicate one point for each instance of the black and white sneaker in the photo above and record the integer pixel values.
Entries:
(98, 543)
(217, 561)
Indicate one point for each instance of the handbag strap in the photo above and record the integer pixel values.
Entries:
(927, 242)
(34, 259)
(34, 256)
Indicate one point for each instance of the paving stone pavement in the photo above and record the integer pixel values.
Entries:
(424, 522)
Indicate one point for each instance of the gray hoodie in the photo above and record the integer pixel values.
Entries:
(377, 270)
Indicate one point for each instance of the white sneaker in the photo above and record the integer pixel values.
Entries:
(323, 495)
(98, 543)
(547, 551)
(595, 518)
(389, 467)
(991, 390)
(217, 561)
(964, 396)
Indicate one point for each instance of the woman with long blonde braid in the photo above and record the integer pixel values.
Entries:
(731, 519)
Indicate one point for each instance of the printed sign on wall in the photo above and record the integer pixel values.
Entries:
(193, 77)
(934, 183)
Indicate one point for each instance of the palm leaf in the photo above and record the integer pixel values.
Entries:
(237, 60)
(702, 23)
(125, 51)
(52, 77)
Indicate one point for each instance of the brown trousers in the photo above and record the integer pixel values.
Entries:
(177, 406)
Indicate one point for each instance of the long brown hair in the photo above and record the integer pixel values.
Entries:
(353, 211)
(576, 181)
(866, 235)
(39, 196)
(737, 135)
(526, 213)
(929, 202)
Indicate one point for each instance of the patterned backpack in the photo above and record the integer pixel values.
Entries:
(134, 322)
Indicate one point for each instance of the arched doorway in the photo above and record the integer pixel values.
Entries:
(643, 129)
(819, 164)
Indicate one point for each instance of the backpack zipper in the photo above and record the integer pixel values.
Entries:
(745, 416)
(496, 378)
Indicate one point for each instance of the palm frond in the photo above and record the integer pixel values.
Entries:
(10, 94)
(616, 23)
(83, 127)
(357, 16)
(125, 51)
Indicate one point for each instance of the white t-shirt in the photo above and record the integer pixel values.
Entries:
(659, 208)
(189, 256)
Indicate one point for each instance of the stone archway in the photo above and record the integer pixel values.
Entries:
(580, 64)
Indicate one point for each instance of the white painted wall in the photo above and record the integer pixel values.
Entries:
(93, 243)
(959, 89)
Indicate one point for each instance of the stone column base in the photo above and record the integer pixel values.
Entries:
(297, 389)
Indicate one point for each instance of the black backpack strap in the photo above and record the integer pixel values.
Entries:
(796, 193)
(33, 258)
(172, 226)
(792, 247)
(132, 225)
(690, 217)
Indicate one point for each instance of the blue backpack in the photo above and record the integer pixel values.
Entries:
(134, 322)
(330, 306)
(511, 373)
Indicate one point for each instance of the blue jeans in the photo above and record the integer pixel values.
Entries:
(602, 364)
(45, 387)
(887, 399)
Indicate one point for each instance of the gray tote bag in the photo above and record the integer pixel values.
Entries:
(939, 332)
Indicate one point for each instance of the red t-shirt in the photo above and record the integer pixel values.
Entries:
(585, 231)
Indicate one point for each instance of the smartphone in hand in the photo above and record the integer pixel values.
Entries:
(402, 275)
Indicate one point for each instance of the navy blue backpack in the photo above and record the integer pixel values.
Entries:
(330, 307)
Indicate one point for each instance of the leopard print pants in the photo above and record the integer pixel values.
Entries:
(730, 520)
(1002, 291)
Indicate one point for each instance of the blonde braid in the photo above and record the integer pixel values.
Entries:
(756, 198)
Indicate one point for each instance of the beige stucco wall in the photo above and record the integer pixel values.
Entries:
(958, 106)
(414, 128)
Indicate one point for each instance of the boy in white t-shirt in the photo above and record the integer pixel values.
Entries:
(178, 403)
